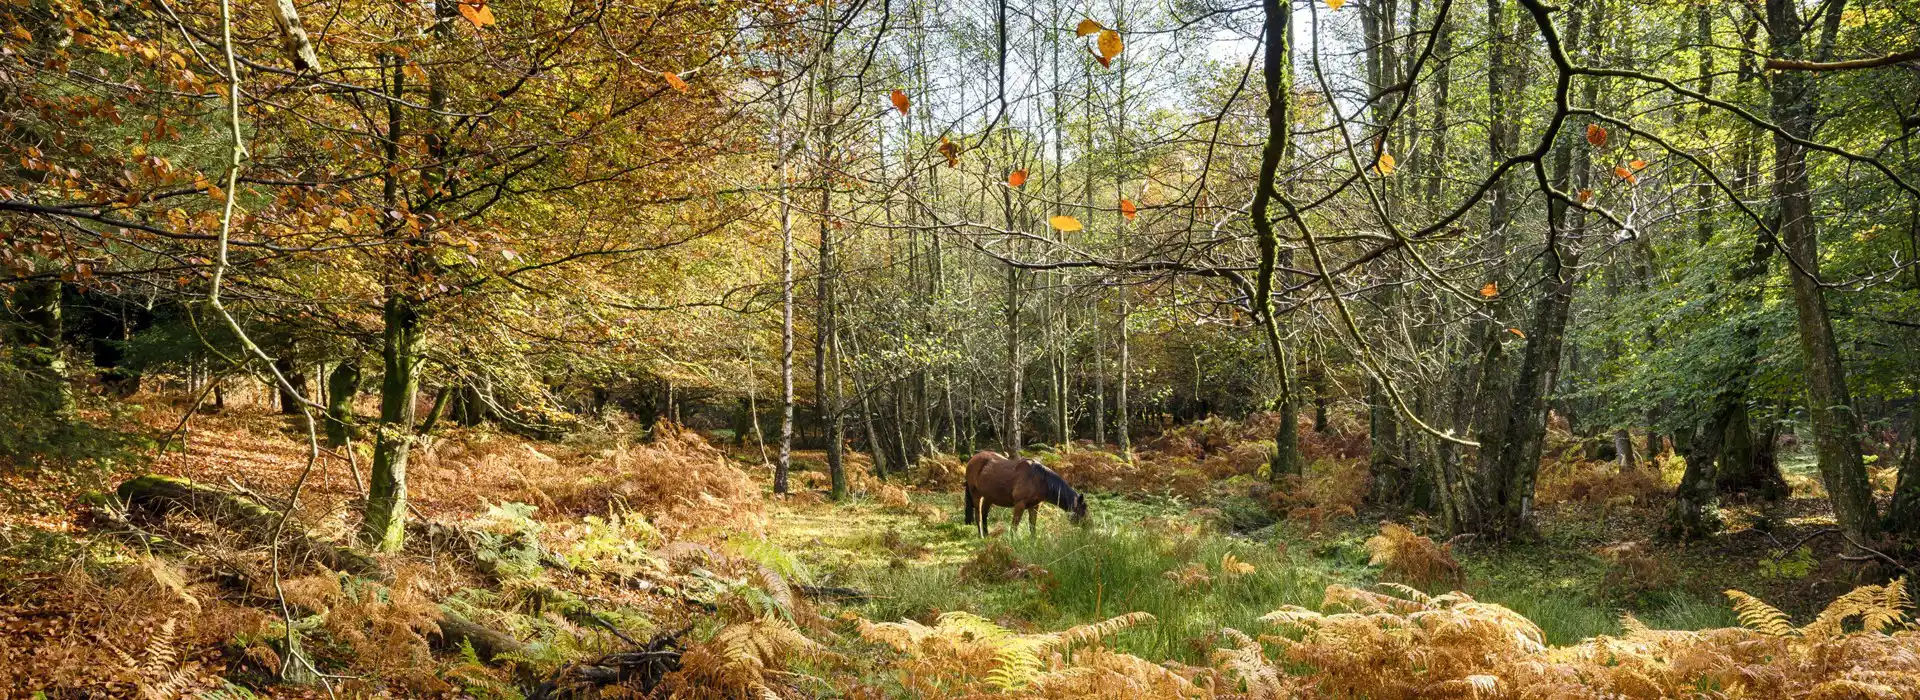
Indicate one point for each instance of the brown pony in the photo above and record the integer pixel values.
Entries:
(1020, 484)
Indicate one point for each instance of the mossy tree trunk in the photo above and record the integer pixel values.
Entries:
(343, 384)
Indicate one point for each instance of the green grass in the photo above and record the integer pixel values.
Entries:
(1119, 563)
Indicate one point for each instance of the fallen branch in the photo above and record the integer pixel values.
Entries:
(158, 495)
(833, 593)
(645, 665)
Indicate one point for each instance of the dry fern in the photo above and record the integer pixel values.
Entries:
(1410, 557)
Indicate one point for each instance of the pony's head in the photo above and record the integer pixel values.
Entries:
(1079, 509)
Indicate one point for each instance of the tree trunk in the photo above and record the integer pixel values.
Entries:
(1277, 69)
(36, 306)
(290, 401)
(343, 384)
(1010, 432)
(1835, 425)
(383, 524)
(1746, 467)
(1903, 515)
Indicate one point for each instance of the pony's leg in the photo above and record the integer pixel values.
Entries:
(1019, 511)
(985, 508)
(1033, 521)
(972, 506)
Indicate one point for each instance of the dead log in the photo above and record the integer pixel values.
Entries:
(643, 666)
(835, 593)
(155, 496)
(488, 645)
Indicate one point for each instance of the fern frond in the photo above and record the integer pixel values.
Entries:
(1293, 615)
(1407, 592)
(1757, 615)
(1094, 632)
(776, 587)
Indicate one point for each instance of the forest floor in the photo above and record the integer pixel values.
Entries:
(583, 549)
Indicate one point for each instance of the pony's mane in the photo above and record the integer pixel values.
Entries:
(1058, 490)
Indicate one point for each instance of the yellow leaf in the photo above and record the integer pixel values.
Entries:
(1596, 135)
(1516, 332)
(900, 102)
(22, 34)
(476, 12)
(1017, 178)
(674, 80)
(1491, 290)
(1384, 165)
(1335, 4)
(1064, 223)
(1087, 26)
(1110, 44)
(1128, 210)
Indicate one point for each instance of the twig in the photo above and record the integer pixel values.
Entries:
(1877, 555)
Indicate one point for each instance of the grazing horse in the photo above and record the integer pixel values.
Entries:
(1020, 484)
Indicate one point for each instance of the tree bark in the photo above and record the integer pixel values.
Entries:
(343, 384)
(1836, 426)
(1277, 70)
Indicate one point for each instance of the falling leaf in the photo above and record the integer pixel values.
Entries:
(1384, 165)
(1637, 164)
(673, 79)
(1017, 178)
(1586, 196)
(22, 34)
(1087, 26)
(1335, 4)
(951, 151)
(476, 12)
(900, 102)
(1491, 290)
(1596, 136)
(1064, 223)
(1516, 332)
(1128, 210)
(1623, 173)
(1104, 61)
(1110, 46)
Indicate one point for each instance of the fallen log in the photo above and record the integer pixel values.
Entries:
(155, 496)
(643, 666)
(833, 593)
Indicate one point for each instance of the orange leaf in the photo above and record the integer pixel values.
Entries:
(1128, 210)
(1623, 173)
(674, 80)
(1596, 135)
(1064, 223)
(1637, 164)
(1491, 290)
(951, 151)
(900, 101)
(1586, 196)
(476, 12)
(1384, 165)
(1087, 26)
(1017, 178)
(1104, 61)
(1110, 44)
(1517, 333)
(1335, 4)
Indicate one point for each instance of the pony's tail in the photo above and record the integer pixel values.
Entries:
(971, 506)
